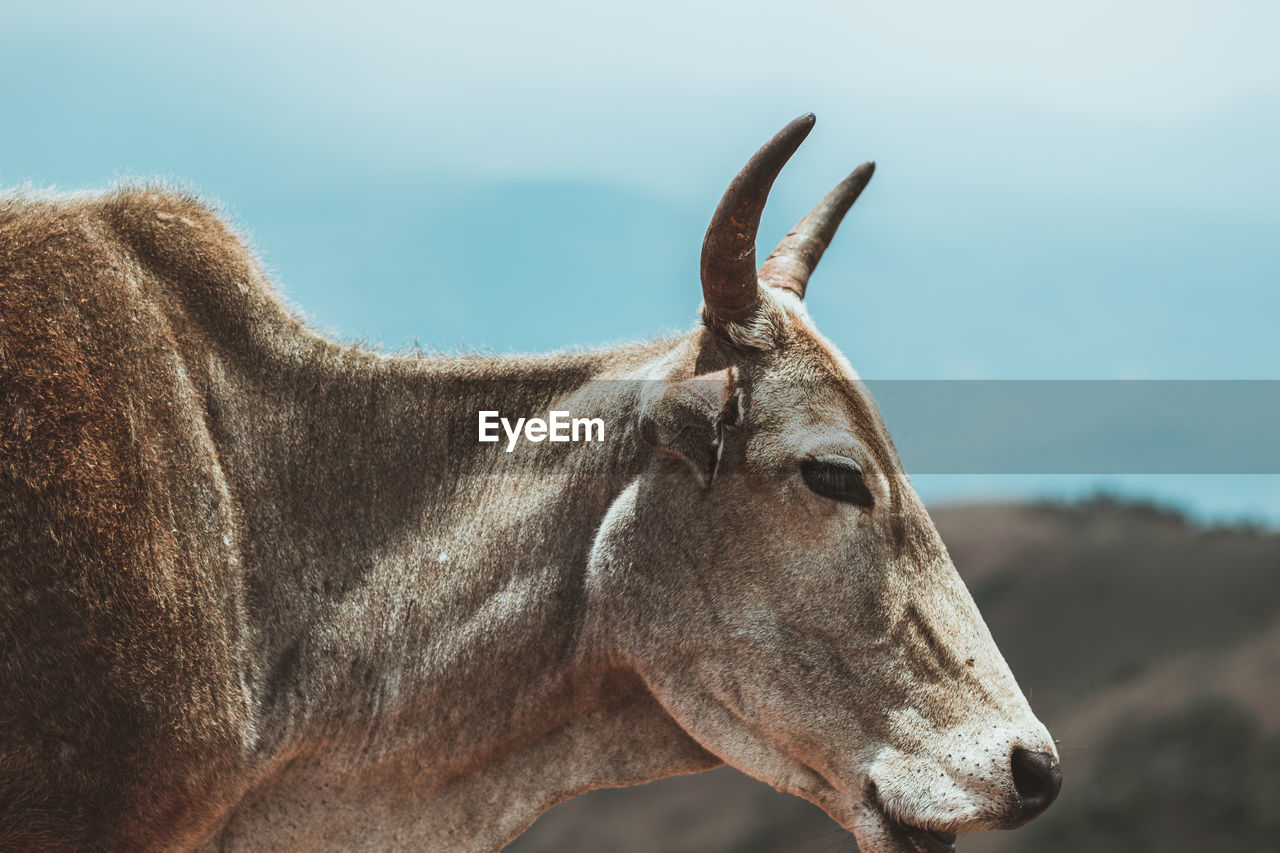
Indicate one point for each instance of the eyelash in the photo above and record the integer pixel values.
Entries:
(837, 482)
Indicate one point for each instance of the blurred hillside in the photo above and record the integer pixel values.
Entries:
(1149, 646)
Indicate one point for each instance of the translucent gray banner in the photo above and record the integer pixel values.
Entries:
(1041, 427)
(1083, 426)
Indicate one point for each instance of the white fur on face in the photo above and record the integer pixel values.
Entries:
(906, 706)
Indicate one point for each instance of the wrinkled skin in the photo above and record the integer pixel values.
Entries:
(825, 648)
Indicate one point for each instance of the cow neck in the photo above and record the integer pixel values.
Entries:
(419, 596)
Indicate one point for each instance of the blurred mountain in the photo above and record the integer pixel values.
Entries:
(1149, 645)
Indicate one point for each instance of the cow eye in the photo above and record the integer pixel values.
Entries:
(840, 482)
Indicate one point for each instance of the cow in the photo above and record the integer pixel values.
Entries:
(261, 590)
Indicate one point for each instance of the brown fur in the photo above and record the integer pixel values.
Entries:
(261, 590)
(189, 478)
(118, 600)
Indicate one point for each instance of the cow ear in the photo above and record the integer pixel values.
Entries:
(685, 419)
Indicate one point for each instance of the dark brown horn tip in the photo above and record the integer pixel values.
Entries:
(858, 179)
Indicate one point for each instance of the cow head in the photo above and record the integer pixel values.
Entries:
(777, 583)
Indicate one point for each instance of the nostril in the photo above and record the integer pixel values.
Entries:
(1037, 778)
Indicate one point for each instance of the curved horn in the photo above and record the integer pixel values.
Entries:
(791, 264)
(729, 285)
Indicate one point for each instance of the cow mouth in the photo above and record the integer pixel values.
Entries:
(916, 838)
(927, 840)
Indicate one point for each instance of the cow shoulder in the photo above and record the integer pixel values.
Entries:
(122, 706)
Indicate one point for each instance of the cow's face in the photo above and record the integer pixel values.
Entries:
(779, 586)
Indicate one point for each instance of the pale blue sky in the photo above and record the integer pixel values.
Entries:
(1087, 191)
